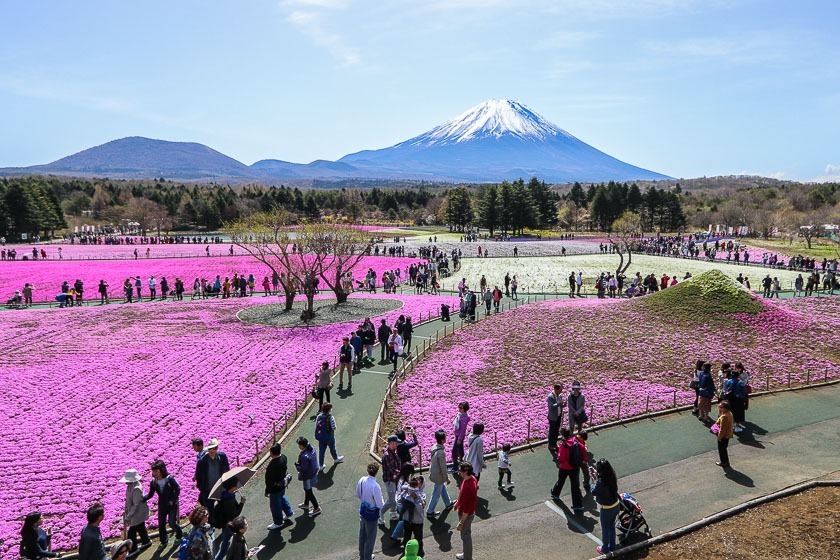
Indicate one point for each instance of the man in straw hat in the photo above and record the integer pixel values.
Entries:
(136, 512)
(208, 470)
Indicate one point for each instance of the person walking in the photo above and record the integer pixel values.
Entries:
(569, 459)
(238, 546)
(556, 404)
(475, 450)
(497, 299)
(200, 545)
(346, 359)
(407, 333)
(391, 465)
(136, 512)
(605, 491)
(383, 334)
(208, 470)
(168, 491)
(465, 506)
(371, 503)
(462, 419)
(103, 292)
(744, 377)
(577, 408)
(276, 481)
(228, 510)
(91, 545)
(308, 468)
(723, 428)
(34, 541)
(439, 476)
(323, 383)
(325, 435)
(395, 347)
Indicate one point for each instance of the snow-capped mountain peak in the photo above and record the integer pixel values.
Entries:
(493, 118)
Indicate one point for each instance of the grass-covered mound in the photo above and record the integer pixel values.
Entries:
(711, 296)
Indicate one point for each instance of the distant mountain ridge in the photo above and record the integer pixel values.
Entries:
(495, 140)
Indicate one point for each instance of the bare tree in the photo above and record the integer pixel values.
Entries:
(625, 231)
(269, 238)
(338, 248)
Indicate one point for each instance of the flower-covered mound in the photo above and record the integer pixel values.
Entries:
(631, 352)
(89, 394)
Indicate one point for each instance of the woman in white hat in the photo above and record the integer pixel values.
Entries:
(136, 511)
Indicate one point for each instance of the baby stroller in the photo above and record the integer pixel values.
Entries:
(630, 519)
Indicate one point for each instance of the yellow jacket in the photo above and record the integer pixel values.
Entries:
(726, 425)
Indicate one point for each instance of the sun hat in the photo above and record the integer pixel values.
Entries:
(131, 475)
(120, 544)
(212, 444)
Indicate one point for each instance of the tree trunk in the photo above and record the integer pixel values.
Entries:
(340, 295)
(309, 312)
(290, 300)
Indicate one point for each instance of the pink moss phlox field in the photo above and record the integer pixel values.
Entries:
(47, 276)
(505, 366)
(92, 393)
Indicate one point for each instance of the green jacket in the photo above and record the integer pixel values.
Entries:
(411, 548)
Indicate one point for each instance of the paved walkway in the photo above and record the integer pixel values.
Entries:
(667, 463)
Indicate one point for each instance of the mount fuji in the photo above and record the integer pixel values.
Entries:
(495, 140)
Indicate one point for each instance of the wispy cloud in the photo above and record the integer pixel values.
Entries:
(753, 48)
(309, 17)
(563, 40)
(830, 175)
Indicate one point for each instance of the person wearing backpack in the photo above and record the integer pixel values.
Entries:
(198, 545)
(734, 391)
(569, 461)
(226, 511)
(369, 494)
(475, 450)
(325, 435)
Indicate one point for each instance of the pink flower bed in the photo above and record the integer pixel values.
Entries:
(91, 393)
(47, 276)
(505, 366)
(79, 251)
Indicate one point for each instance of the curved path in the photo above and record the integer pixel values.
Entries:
(667, 463)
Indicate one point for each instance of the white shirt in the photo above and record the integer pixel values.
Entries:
(368, 490)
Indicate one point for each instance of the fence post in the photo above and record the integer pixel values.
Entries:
(675, 398)
(237, 460)
(591, 416)
(274, 431)
(495, 441)
(788, 381)
(528, 439)
(618, 416)
(647, 404)
(767, 382)
(825, 379)
(257, 445)
(807, 377)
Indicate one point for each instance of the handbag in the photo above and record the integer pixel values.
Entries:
(694, 385)
(715, 429)
(314, 393)
(368, 512)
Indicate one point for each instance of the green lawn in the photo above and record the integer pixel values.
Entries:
(820, 247)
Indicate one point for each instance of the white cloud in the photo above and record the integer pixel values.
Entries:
(832, 169)
(562, 40)
(309, 17)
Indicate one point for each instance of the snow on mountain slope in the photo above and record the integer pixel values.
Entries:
(493, 118)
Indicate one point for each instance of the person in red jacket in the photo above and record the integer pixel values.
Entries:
(465, 506)
(569, 460)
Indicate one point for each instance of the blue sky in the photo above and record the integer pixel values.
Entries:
(687, 88)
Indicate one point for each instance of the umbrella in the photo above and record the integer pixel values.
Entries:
(243, 474)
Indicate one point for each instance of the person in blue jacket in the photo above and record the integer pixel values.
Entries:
(705, 393)
(308, 467)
